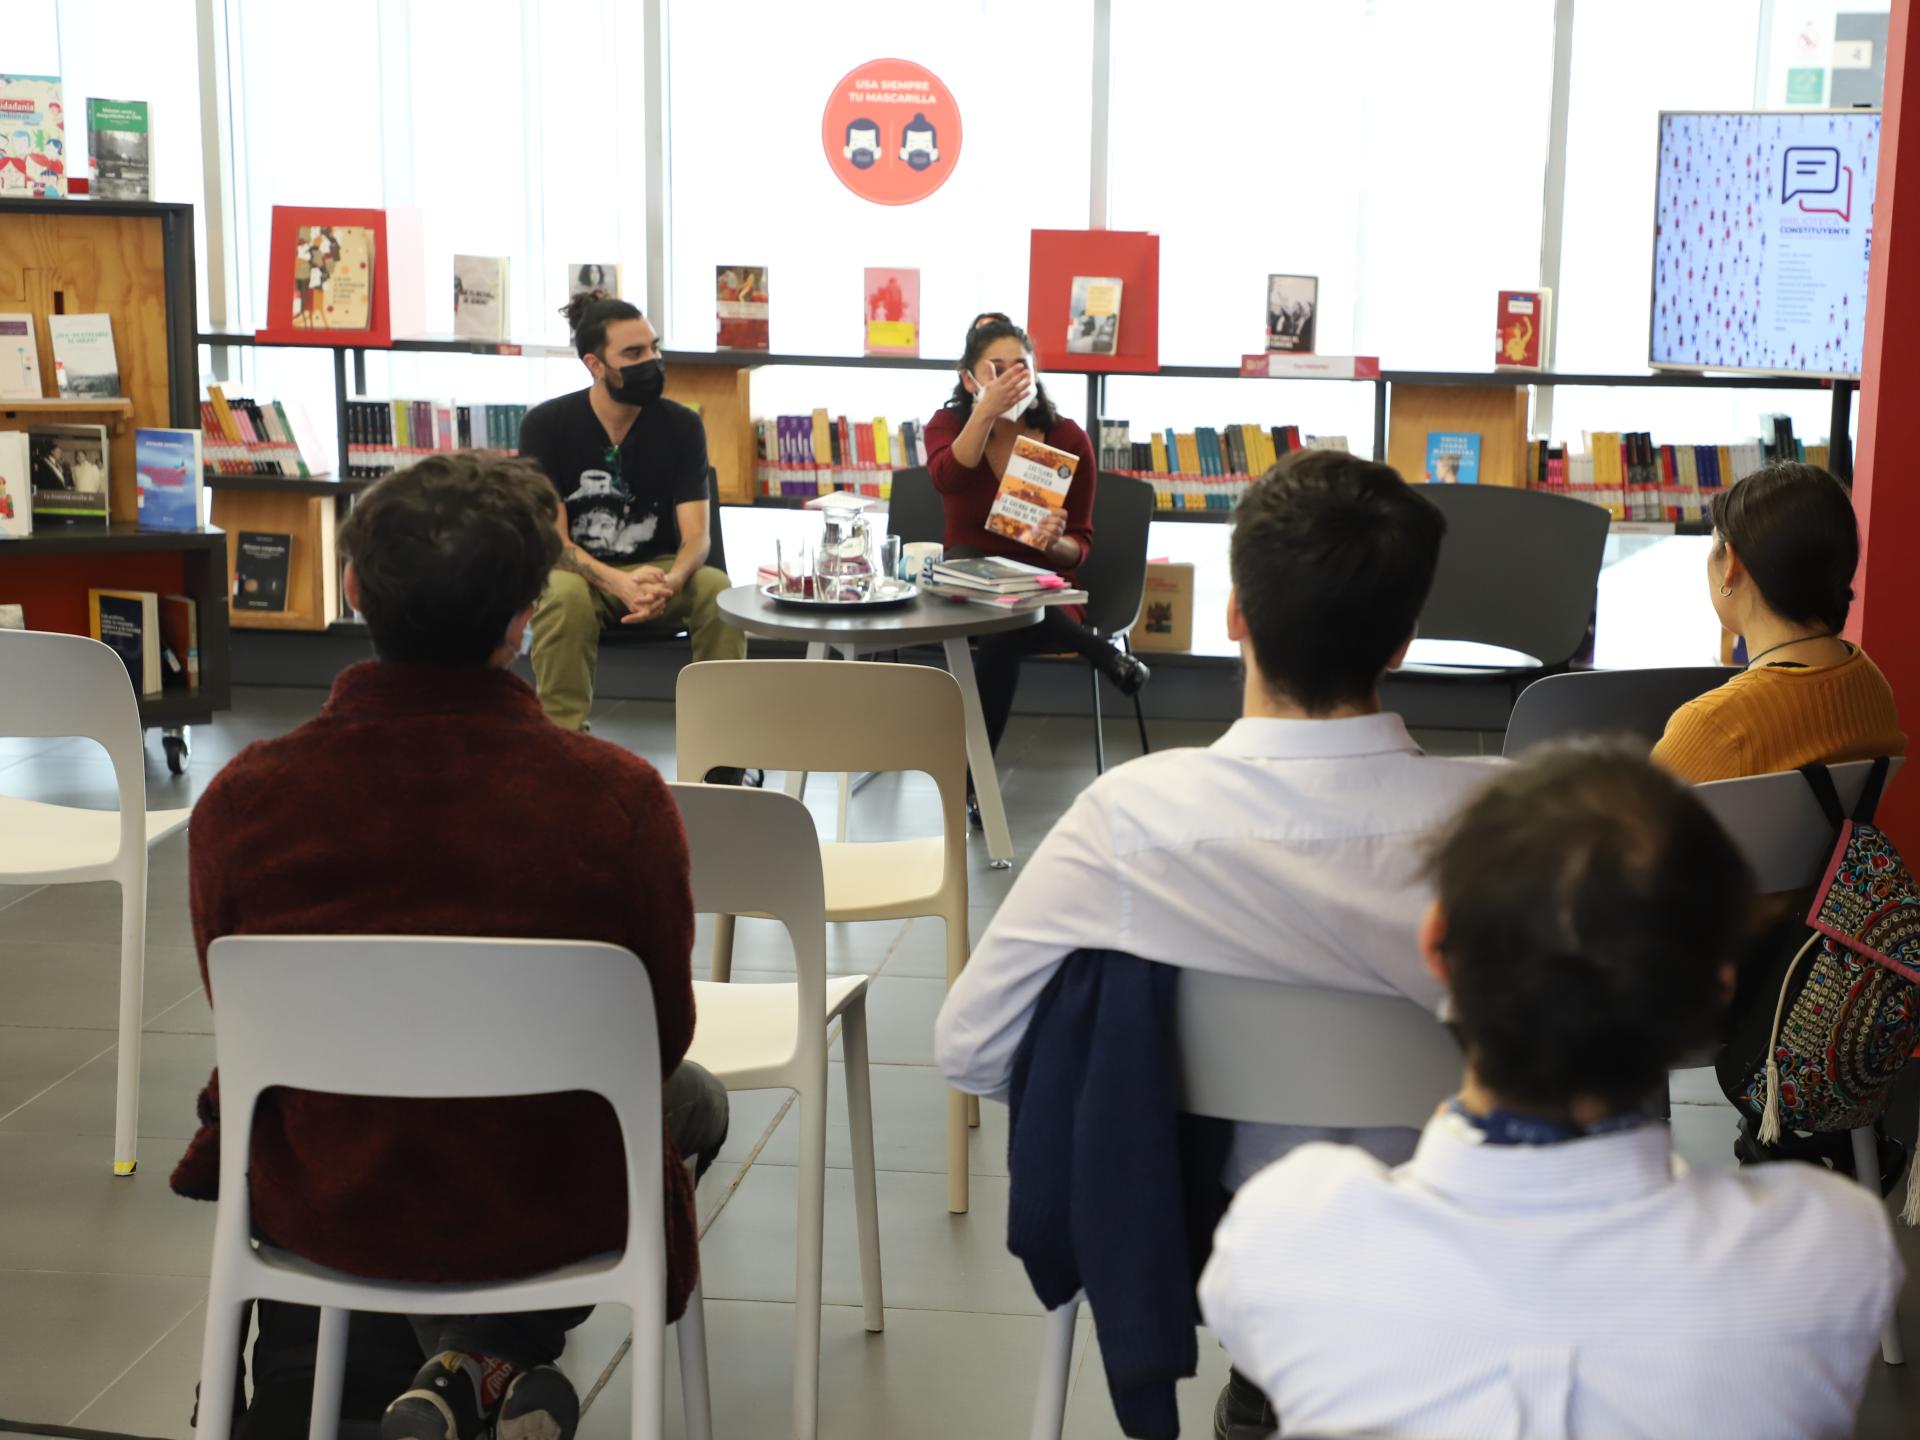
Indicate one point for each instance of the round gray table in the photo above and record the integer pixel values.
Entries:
(926, 620)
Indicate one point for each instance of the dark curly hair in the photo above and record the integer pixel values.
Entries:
(986, 329)
(588, 315)
(448, 551)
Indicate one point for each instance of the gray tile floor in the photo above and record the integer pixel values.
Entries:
(102, 1281)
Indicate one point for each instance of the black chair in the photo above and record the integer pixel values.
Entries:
(915, 513)
(619, 634)
(1518, 569)
(1606, 702)
(1115, 577)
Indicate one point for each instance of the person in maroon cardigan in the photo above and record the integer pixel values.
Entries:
(999, 397)
(431, 796)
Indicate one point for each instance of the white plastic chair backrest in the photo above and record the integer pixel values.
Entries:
(827, 715)
(1778, 825)
(54, 685)
(755, 852)
(438, 1017)
(1266, 1052)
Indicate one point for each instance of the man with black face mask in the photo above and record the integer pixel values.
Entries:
(630, 467)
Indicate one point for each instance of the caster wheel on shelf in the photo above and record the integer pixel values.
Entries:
(177, 752)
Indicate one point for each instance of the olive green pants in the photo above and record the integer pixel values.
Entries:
(568, 620)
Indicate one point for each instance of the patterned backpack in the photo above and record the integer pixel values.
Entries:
(1848, 1013)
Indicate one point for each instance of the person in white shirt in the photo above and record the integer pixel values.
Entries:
(1544, 1266)
(1291, 848)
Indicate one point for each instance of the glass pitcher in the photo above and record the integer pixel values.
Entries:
(843, 566)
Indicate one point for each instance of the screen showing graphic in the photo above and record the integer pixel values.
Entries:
(1761, 240)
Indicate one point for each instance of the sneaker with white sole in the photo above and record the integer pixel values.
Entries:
(540, 1404)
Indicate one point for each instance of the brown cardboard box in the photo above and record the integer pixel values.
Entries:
(1166, 614)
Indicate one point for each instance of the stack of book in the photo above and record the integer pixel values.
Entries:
(246, 437)
(801, 456)
(1204, 468)
(1634, 478)
(156, 636)
(1002, 584)
(385, 435)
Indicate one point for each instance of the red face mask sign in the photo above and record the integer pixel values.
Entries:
(891, 132)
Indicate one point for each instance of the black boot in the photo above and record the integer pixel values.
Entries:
(1126, 670)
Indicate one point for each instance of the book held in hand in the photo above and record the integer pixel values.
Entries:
(1293, 305)
(84, 362)
(1034, 485)
(741, 307)
(127, 622)
(19, 359)
(16, 488)
(167, 464)
(33, 124)
(480, 297)
(69, 470)
(1453, 458)
(260, 567)
(1093, 315)
(893, 312)
(1520, 336)
(119, 149)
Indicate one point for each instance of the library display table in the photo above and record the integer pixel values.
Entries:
(925, 621)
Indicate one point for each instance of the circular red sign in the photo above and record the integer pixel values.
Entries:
(891, 132)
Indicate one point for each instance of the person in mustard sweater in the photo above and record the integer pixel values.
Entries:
(1785, 546)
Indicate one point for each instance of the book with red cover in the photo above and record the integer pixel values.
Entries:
(741, 307)
(1520, 330)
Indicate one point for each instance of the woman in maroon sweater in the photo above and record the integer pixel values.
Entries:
(999, 397)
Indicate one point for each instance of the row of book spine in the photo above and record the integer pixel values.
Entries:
(800, 456)
(1206, 468)
(247, 437)
(1634, 478)
(384, 435)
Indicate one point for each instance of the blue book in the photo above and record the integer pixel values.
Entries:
(1453, 458)
(167, 463)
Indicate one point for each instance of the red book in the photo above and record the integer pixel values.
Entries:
(1520, 333)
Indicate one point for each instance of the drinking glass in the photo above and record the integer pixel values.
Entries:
(890, 557)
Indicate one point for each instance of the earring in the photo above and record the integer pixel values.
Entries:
(1725, 591)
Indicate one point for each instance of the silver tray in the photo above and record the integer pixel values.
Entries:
(897, 592)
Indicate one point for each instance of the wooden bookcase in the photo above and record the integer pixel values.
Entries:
(132, 260)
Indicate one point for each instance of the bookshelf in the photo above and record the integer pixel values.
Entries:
(1458, 400)
(132, 260)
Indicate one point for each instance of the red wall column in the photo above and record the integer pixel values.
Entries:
(1886, 487)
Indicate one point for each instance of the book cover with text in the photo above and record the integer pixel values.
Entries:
(260, 566)
(892, 310)
(332, 277)
(741, 307)
(480, 297)
(1093, 315)
(33, 137)
(1520, 329)
(127, 622)
(69, 470)
(1293, 306)
(167, 465)
(19, 358)
(84, 363)
(1036, 482)
(1453, 458)
(120, 149)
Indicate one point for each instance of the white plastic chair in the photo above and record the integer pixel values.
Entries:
(59, 685)
(800, 715)
(755, 853)
(1260, 1052)
(343, 1015)
(1788, 841)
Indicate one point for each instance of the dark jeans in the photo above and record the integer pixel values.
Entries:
(696, 1107)
(996, 661)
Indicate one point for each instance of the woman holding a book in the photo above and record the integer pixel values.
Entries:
(999, 401)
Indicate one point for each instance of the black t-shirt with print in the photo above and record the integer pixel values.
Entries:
(627, 517)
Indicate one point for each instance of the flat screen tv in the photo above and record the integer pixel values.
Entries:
(1761, 240)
